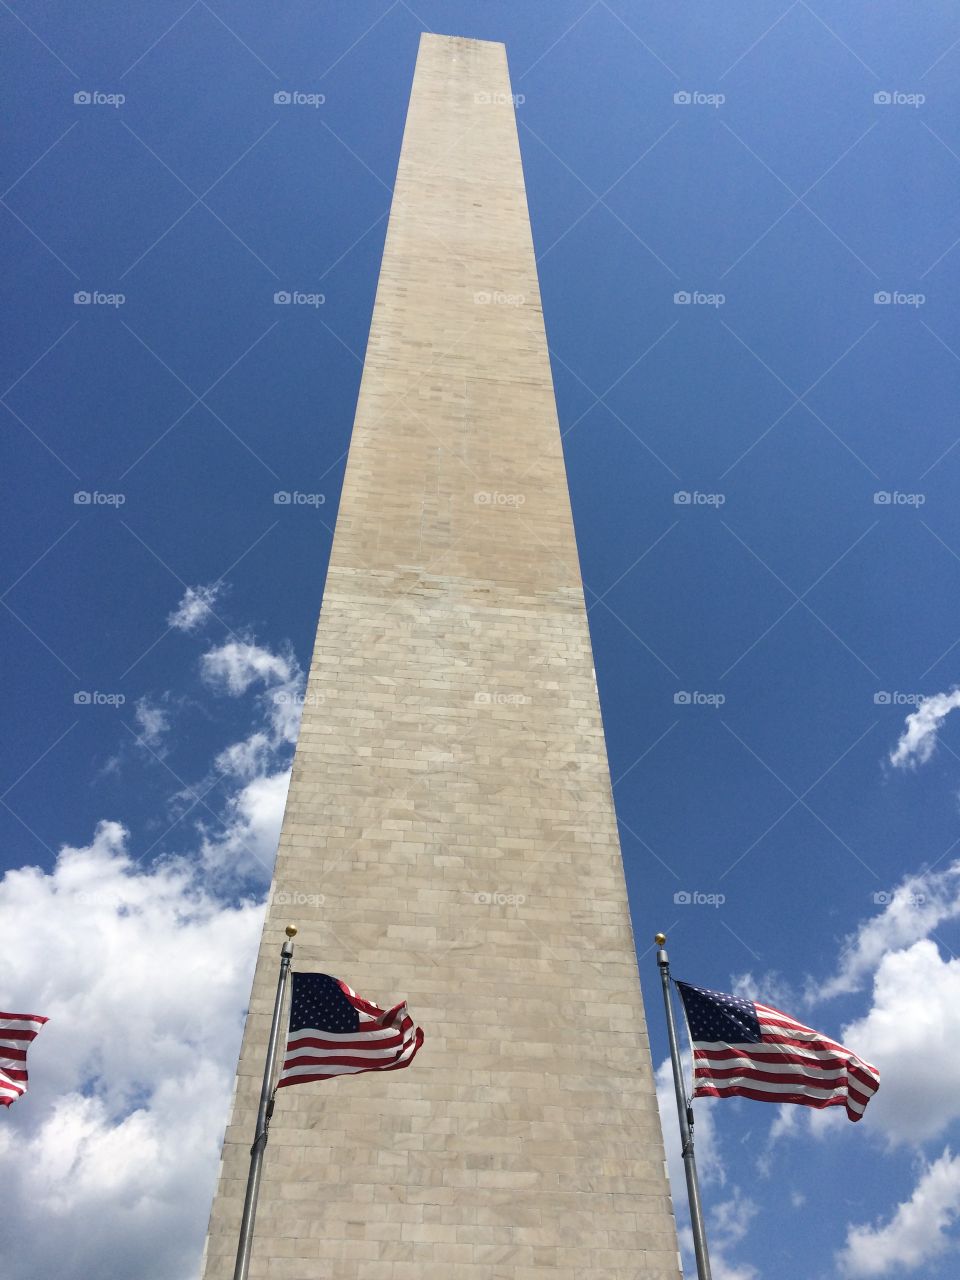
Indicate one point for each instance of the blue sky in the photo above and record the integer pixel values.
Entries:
(763, 480)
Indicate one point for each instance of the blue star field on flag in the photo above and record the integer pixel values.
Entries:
(745, 1049)
(319, 1001)
(335, 1032)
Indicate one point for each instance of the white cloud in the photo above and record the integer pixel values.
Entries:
(912, 1023)
(722, 1269)
(153, 723)
(911, 1032)
(195, 607)
(917, 1231)
(730, 1219)
(248, 843)
(254, 813)
(246, 758)
(770, 988)
(108, 1163)
(919, 738)
(785, 1123)
(918, 905)
(238, 666)
(235, 666)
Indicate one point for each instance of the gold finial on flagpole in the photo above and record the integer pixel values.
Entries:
(659, 939)
(291, 931)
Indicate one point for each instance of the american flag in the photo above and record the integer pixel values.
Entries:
(17, 1030)
(751, 1050)
(335, 1032)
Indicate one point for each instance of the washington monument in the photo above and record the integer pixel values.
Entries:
(449, 835)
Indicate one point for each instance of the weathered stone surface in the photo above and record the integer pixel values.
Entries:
(450, 834)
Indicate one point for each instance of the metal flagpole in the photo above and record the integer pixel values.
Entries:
(685, 1114)
(263, 1117)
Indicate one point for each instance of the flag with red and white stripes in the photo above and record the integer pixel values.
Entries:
(17, 1031)
(335, 1032)
(750, 1050)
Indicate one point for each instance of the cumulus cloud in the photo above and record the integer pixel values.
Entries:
(108, 1163)
(260, 762)
(917, 906)
(195, 608)
(911, 1031)
(917, 1231)
(247, 844)
(919, 738)
(239, 666)
(912, 1023)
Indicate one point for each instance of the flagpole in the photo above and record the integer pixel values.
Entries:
(685, 1114)
(245, 1245)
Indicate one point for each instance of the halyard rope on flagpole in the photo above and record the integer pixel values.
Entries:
(685, 1116)
(267, 1091)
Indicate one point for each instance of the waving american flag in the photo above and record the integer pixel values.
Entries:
(335, 1032)
(750, 1050)
(17, 1031)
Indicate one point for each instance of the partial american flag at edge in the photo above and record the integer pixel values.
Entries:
(17, 1032)
(751, 1050)
(335, 1032)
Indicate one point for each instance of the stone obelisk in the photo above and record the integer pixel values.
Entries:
(449, 834)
